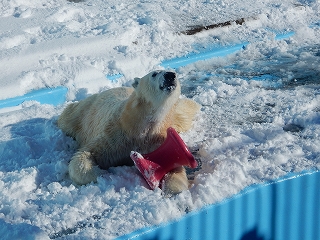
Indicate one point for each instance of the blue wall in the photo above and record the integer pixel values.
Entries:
(286, 209)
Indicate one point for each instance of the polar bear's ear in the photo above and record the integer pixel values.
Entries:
(136, 82)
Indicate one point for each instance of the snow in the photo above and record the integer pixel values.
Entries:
(260, 116)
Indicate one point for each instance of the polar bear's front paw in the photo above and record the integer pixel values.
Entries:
(175, 182)
(83, 169)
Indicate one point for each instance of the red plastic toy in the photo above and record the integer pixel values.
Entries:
(171, 154)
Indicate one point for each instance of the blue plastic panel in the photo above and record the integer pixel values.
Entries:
(202, 55)
(286, 209)
(54, 96)
(114, 77)
(284, 35)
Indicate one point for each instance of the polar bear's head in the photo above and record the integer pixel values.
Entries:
(158, 88)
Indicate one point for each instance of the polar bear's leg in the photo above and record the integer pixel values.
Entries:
(83, 169)
(69, 120)
(184, 113)
(175, 181)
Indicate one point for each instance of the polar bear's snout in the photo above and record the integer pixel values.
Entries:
(169, 82)
(169, 76)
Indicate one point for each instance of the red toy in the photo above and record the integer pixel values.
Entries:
(171, 154)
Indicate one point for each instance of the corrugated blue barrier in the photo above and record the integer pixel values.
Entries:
(285, 209)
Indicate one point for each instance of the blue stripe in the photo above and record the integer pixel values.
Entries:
(54, 96)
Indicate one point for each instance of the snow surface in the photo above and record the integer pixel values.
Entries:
(259, 121)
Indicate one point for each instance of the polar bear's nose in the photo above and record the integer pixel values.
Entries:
(169, 76)
(169, 82)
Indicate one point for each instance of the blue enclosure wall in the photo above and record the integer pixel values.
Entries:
(286, 209)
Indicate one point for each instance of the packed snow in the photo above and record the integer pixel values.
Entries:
(260, 116)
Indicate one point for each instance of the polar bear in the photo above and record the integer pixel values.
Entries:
(109, 125)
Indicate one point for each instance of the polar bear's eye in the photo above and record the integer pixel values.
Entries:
(154, 74)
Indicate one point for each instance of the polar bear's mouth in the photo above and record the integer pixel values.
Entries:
(169, 82)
